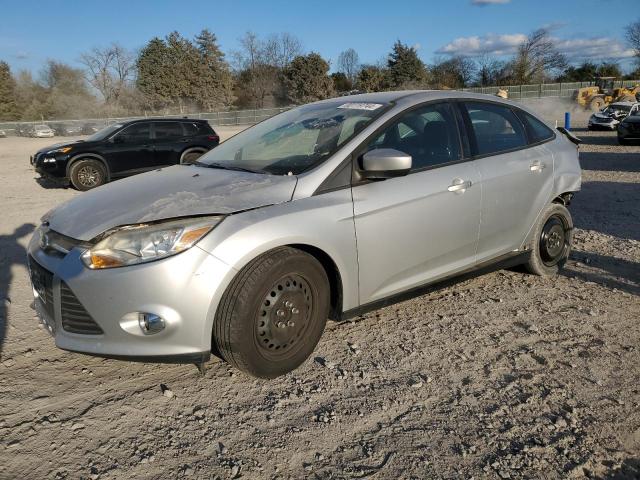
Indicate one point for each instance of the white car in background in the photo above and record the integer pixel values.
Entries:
(42, 131)
(609, 117)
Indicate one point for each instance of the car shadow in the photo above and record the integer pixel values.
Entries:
(629, 470)
(11, 254)
(50, 184)
(614, 272)
(608, 207)
(599, 139)
(610, 161)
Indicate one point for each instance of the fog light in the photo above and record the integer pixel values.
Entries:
(150, 323)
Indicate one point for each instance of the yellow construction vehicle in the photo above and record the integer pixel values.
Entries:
(602, 93)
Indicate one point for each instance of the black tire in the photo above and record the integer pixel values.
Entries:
(191, 155)
(552, 240)
(272, 316)
(87, 173)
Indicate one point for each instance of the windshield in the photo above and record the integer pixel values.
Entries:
(41, 127)
(296, 140)
(104, 133)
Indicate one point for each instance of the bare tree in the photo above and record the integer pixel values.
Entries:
(109, 70)
(632, 34)
(349, 64)
(280, 49)
(536, 58)
(256, 77)
(490, 71)
(455, 72)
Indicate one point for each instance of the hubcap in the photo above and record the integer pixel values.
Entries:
(553, 241)
(283, 316)
(88, 176)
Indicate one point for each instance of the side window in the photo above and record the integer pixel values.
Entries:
(496, 127)
(136, 133)
(538, 131)
(191, 129)
(429, 134)
(168, 130)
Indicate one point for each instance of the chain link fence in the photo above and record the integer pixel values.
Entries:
(249, 117)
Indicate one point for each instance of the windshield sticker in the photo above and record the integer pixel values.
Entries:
(361, 106)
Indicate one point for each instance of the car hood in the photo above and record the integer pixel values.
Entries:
(603, 116)
(60, 145)
(178, 191)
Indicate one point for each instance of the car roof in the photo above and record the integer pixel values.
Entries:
(409, 97)
(164, 119)
(623, 104)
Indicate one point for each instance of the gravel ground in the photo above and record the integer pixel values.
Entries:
(504, 375)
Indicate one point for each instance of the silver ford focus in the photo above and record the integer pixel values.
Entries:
(322, 212)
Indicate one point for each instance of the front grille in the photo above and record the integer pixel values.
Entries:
(75, 319)
(42, 281)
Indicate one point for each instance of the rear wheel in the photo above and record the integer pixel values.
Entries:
(553, 237)
(273, 314)
(86, 174)
(191, 155)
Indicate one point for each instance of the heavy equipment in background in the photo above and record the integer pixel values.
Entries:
(602, 93)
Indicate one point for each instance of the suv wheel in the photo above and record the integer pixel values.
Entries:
(552, 241)
(86, 174)
(273, 314)
(191, 155)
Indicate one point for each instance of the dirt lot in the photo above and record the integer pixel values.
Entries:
(505, 375)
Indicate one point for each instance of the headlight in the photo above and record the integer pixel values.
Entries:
(143, 243)
(61, 150)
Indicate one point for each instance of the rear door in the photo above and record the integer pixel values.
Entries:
(170, 141)
(517, 176)
(130, 150)
(414, 229)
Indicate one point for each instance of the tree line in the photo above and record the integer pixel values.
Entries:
(176, 74)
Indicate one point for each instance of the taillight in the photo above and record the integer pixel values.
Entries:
(214, 138)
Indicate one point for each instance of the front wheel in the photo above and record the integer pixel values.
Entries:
(272, 316)
(86, 174)
(552, 241)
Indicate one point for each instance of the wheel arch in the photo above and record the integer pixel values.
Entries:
(333, 274)
(92, 156)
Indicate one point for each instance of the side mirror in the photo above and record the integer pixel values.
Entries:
(385, 163)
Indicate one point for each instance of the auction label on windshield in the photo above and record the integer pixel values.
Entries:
(361, 106)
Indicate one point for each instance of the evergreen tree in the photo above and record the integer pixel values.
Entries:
(404, 65)
(307, 79)
(9, 109)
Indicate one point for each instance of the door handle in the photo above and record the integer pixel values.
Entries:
(459, 186)
(537, 166)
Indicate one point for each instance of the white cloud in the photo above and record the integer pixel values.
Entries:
(593, 48)
(482, 3)
(577, 49)
(477, 45)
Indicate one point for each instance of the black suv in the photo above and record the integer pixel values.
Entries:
(125, 149)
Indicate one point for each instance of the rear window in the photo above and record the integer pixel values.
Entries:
(496, 128)
(538, 131)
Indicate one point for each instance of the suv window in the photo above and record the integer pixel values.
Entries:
(538, 131)
(429, 134)
(168, 130)
(136, 133)
(192, 128)
(496, 127)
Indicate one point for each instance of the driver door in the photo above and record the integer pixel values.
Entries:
(131, 150)
(415, 229)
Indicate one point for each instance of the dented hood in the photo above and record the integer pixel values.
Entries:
(178, 191)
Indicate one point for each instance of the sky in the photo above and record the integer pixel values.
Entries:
(32, 32)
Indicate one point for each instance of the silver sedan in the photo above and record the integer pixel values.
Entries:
(322, 212)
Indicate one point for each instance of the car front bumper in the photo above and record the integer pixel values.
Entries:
(182, 289)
